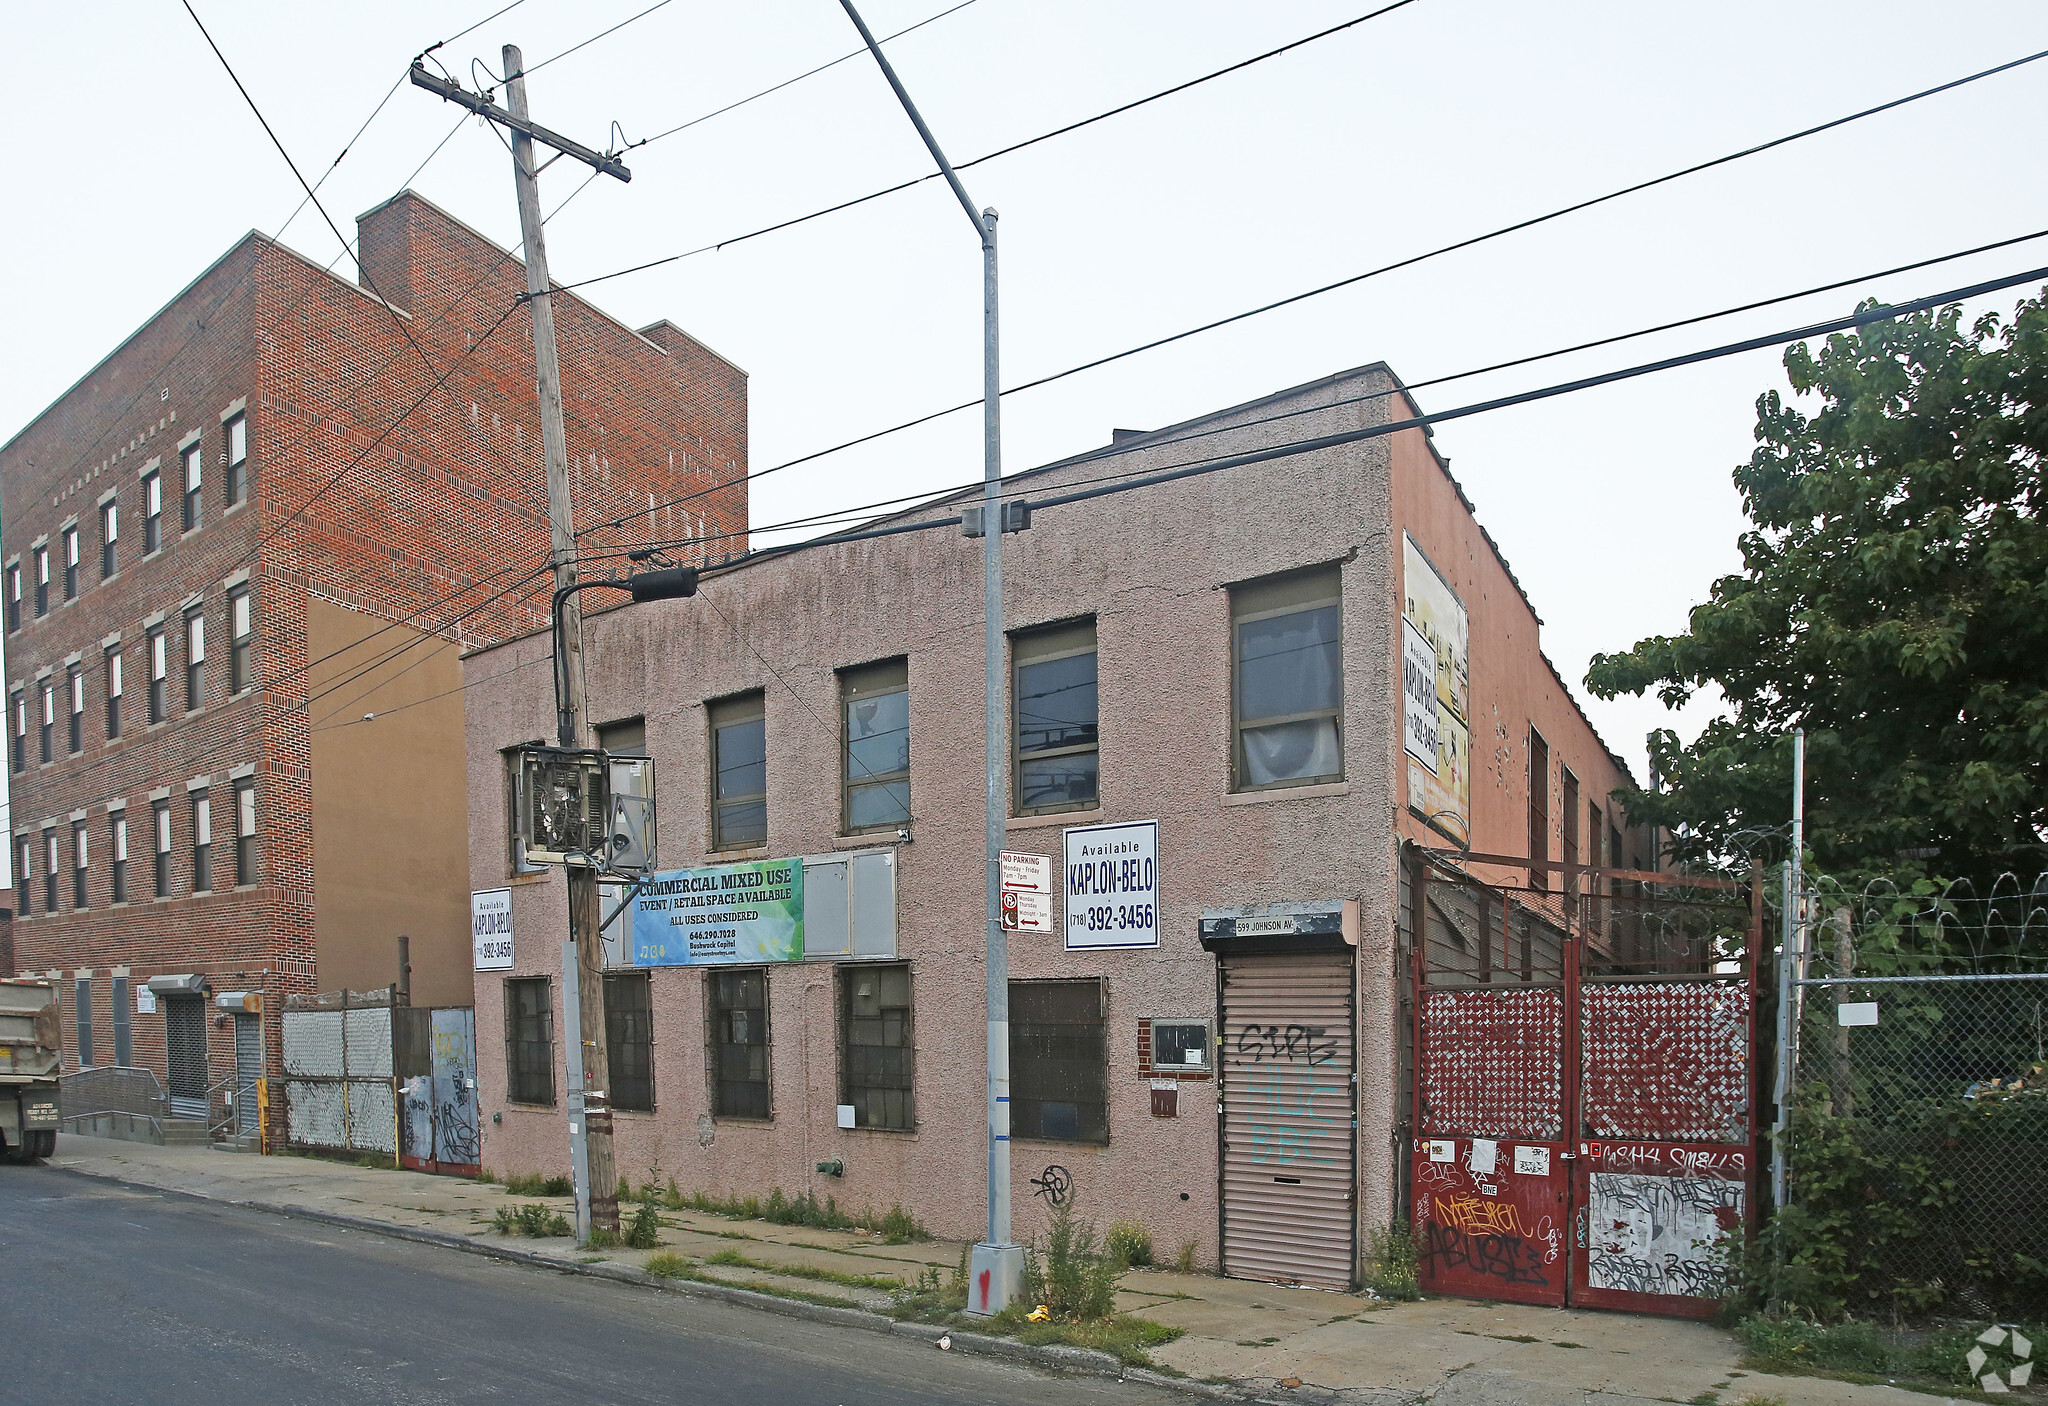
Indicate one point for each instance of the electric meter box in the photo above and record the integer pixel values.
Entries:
(586, 807)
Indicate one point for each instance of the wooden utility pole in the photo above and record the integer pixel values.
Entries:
(590, 1103)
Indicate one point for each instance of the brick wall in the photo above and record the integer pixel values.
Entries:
(391, 523)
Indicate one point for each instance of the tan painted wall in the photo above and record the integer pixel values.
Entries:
(1513, 684)
(390, 826)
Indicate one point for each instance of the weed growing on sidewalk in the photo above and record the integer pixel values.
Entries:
(538, 1184)
(645, 1231)
(884, 1283)
(1072, 1279)
(1129, 1244)
(1185, 1260)
(1860, 1351)
(1393, 1253)
(536, 1221)
(672, 1266)
(896, 1226)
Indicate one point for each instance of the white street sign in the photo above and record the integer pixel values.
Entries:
(1027, 892)
(1030, 873)
(1112, 879)
(490, 927)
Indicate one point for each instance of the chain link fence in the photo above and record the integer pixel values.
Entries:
(1920, 1132)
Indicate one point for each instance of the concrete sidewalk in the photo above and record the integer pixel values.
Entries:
(1277, 1343)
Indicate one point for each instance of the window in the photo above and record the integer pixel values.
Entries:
(245, 832)
(159, 670)
(1568, 823)
(1057, 763)
(13, 597)
(110, 538)
(739, 773)
(238, 459)
(49, 871)
(119, 848)
(24, 871)
(202, 842)
(739, 1044)
(152, 512)
(78, 864)
(42, 582)
(74, 685)
(1058, 1061)
(1288, 688)
(49, 727)
(878, 1049)
(241, 631)
(81, 1018)
(876, 711)
(124, 1035)
(1614, 847)
(629, 1040)
(195, 461)
(71, 562)
(20, 731)
(1539, 810)
(1180, 1045)
(113, 658)
(162, 818)
(195, 659)
(529, 1041)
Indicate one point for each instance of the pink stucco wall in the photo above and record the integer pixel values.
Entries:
(1153, 567)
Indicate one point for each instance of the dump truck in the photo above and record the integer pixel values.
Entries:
(31, 1046)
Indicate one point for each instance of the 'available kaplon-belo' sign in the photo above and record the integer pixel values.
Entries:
(741, 913)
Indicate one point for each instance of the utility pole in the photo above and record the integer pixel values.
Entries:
(589, 1110)
(998, 1269)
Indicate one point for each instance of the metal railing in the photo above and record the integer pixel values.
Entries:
(111, 1089)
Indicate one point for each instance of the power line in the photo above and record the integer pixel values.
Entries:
(1145, 478)
(1001, 151)
(534, 68)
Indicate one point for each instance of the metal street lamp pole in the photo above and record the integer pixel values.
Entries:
(998, 1267)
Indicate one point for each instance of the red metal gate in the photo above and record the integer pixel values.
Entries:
(1582, 1083)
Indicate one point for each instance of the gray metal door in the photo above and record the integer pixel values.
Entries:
(185, 1035)
(248, 1068)
(1289, 1139)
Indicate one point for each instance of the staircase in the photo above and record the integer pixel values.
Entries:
(185, 1132)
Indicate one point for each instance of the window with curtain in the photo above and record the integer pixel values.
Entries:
(1287, 689)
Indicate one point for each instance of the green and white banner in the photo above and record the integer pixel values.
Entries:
(730, 913)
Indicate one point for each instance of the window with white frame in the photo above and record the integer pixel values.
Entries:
(195, 658)
(245, 831)
(238, 459)
(195, 466)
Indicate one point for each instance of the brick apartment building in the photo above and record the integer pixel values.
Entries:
(242, 555)
(1246, 697)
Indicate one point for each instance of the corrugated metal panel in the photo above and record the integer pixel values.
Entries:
(312, 1044)
(1286, 1058)
(185, 1035)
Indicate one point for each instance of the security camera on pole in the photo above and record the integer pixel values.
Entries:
(997, 1273)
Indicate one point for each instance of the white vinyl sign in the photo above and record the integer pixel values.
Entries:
(490, 927)
(1112, 881)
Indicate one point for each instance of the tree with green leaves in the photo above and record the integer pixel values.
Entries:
(1893, 601)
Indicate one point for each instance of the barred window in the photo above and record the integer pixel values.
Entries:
(739, 1044)
(878, 1051)
(1059, 1061)
(629, 1040)
(529, 1041)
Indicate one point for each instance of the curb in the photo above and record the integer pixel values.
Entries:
(1067, 1361)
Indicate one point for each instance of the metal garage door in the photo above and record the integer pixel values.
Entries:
(185, 1033)
(1286, 1057)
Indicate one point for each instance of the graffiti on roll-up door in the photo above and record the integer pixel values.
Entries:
(1281, 1086)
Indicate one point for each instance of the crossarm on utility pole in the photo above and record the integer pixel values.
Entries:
(518, 122)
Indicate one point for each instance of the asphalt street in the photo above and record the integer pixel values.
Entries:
(111, 1293)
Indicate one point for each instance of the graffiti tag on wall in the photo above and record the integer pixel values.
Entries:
(1656, 1235)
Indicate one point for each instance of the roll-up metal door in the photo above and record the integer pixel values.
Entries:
(185, 1034)
(1289, 1135)
(248, 1068)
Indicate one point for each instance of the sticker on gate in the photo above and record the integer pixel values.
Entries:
(1532, 1161)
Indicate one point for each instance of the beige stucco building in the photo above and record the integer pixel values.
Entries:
(1221, 654)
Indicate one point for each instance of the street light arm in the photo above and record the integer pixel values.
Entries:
(931, 142)
(669, 583)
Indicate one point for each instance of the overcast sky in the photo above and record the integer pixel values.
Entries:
(133, 164)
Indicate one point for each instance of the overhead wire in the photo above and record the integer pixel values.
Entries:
(1353, 279)
(537, 67)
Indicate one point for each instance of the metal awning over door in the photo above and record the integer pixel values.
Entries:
(1285, 1056)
